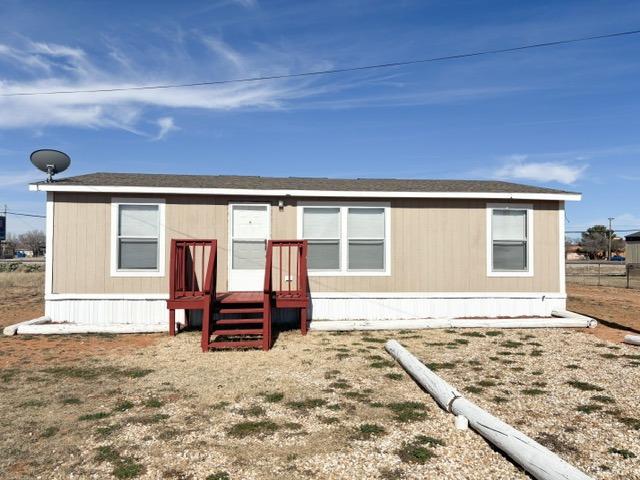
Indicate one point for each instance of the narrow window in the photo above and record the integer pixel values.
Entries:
(321, 227)
(138, 237)
(365, 227)
(510, 241)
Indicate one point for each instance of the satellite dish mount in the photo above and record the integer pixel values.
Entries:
(50, 162)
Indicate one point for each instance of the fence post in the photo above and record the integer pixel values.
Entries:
(628, 271)
(599, 265)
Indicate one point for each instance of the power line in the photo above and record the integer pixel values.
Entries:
(26, 214)
(330, 71)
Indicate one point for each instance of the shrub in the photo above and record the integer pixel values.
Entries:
(584, 386)
(245, 429)
(366, 431)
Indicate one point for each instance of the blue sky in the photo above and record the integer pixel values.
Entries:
(564, 117)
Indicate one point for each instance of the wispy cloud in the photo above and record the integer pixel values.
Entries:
(165, 125)
(62, 68)
(519, 167)
(191, 57)
(13, 179)
(247, 3)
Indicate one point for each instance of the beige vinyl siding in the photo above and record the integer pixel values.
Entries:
(632, 252)
(437, 245)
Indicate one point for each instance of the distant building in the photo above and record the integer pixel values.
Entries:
(632, 252)
(572, 253)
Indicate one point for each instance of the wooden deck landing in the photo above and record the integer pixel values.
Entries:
(239, 297)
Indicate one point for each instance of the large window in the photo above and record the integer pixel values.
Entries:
(509, 243)
(346, 239)
(137, 243)
(365, 229)
(321, 227)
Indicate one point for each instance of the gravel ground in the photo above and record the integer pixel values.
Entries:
(322, 406)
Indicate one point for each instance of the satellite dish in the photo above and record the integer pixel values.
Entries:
(50, 161)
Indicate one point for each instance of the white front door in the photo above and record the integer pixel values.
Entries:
(249, 230)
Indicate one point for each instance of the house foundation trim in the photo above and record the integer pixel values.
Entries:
(148, 309)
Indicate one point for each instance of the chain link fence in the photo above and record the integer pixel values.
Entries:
(603, 273)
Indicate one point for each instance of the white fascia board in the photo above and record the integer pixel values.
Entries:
(52, 187)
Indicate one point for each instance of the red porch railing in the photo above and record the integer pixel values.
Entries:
(286, 276)
(192, 278)
(192, 268)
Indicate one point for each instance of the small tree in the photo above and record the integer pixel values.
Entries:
(33, 240)
(595, 242)
(10, 246)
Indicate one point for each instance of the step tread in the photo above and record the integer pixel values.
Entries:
(224, 311)
(238, 331)
(244, 343)
(238, 321)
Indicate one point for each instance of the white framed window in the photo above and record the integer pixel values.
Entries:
(350, 239)
(509, 240)
(137, 237)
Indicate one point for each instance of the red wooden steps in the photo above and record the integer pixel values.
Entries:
(246, 326)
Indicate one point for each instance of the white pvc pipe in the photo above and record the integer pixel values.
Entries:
(13, 329)
(71, 328)
(591, 322)
(537, 460)
(632, 339)
(533, 322)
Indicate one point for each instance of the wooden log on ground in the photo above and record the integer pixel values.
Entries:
(537, 460)
(632, 339)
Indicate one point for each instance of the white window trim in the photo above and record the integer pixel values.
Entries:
(344, 240)
(530, 239)
(115, 206)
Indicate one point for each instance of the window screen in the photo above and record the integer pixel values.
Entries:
(138, 236)
(321, 227)
(366, 238)
(509, 240)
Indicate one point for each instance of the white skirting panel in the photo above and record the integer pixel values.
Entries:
(109, 311)
(420, 307)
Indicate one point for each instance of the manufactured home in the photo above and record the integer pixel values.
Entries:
(127, 249)
(632, 250)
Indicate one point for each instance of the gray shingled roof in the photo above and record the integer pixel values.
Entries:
(632, 237)
(295, 183)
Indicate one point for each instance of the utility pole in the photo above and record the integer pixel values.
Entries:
(3, 231)
(610, 235)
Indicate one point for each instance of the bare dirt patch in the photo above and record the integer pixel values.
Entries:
(21, 298)
(616, 309)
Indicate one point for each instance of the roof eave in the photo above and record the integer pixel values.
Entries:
(53, 187)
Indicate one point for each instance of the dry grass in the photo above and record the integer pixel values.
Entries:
(313, 407)
(300, 412)
(34, 281)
